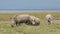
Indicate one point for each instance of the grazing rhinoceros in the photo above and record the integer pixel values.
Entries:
(18, 19)
(25, 18)
(49, 18)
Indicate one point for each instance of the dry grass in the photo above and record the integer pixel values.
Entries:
(43, 28)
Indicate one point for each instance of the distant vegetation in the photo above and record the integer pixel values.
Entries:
(41, 15)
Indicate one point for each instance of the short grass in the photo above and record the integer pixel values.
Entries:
(43, 28)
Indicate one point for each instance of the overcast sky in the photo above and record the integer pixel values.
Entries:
(29, 4)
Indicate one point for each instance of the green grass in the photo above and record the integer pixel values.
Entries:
(43, 28)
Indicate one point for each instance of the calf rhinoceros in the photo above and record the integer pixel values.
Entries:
(34, 20)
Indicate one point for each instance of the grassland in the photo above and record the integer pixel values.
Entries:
(43, 28)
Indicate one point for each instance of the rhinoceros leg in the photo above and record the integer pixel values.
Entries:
(16, 23)
(28, 22)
